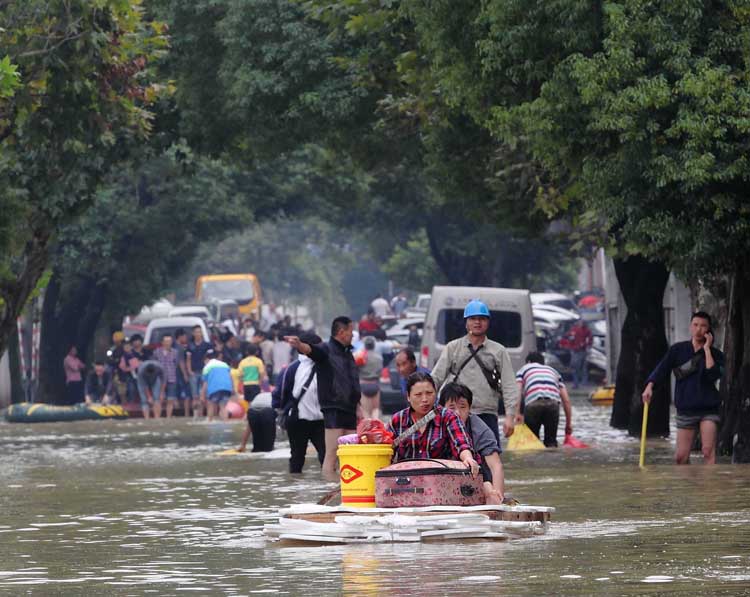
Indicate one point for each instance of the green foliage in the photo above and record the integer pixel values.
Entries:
(301, 261)
(83, 83)
(258, 81)
(256, 78)
(10, 79)
(412, 266)
(654, 126)
(145, 225)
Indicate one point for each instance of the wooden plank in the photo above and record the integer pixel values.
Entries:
(505, 515)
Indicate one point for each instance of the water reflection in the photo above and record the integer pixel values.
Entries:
(137, 507)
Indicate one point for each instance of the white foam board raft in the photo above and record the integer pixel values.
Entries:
(323, 524)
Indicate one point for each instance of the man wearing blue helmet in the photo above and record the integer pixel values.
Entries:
(483, 366)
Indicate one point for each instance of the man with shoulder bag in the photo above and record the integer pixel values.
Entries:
(483, 366)
(697, 366)
(296, 398)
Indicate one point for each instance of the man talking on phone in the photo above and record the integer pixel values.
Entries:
(697, 366)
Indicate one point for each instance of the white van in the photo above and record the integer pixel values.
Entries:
(511, 320)
(158, 328)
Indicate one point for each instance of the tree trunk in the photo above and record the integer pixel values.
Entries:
(53, 346)
(460, 270)
(68, 319)
(643, 344)
(734, 436)
(15, 294)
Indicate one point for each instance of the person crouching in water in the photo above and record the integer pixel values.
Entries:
(458, 398)
(217, 385)
(542, 392)
(443, 436)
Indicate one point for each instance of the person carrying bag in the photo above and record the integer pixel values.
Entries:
(296, 397)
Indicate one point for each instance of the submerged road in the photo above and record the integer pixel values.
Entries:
(148, 507)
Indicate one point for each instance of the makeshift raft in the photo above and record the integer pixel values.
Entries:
(323, 524)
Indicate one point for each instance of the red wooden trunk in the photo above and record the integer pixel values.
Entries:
(429, 482)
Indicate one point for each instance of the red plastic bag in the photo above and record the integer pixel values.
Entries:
(360, 358)
(572, 442)
(373, 431)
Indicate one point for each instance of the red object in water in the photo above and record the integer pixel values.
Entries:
(572, 442)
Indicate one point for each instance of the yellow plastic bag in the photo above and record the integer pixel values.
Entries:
(523, 438)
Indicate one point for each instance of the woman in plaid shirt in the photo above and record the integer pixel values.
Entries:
(443, 437)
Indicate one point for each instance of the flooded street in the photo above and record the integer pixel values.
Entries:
(148, 507)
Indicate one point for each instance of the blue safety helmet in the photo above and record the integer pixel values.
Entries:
(476, 308)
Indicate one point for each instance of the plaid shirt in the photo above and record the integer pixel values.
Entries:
(168, 360)
(444, 436)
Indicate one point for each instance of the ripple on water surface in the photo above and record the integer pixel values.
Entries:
(136, 507)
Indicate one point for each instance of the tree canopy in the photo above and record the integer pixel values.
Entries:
(76, 81)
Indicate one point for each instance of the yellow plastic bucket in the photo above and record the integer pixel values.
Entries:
(359, 462)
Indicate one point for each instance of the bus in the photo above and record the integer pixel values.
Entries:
(242, 288)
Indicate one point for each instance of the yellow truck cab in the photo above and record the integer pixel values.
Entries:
(244, 289)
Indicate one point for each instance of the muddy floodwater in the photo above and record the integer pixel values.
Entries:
(148, 507)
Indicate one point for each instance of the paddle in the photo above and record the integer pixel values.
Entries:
(641, 462)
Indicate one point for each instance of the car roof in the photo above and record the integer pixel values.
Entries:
(409, 320)
(456, 297)
(555, 314)
(170, 322)
(540, 297)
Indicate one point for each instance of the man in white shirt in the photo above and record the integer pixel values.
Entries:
(380, 306)
(296, 395)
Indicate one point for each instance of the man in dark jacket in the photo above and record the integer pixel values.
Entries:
(338, 384)
(697, 366)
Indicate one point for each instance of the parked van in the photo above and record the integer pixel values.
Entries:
(158, 328)
(511, 320)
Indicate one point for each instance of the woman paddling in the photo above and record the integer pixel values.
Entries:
(443, 436)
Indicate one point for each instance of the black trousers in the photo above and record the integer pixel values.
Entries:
(300, 432)
(73, 393)
(263, 425)
(491, 421)
(545, 411)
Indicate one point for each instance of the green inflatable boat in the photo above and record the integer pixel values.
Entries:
(26, 412)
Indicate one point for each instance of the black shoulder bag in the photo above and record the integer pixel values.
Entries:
(688, 367)
(291, 413)
(492, 376)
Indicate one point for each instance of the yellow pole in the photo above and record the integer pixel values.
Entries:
(643, 435)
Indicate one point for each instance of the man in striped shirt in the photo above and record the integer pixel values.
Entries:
(542, 389)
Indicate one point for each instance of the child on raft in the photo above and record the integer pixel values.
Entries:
(457, 397)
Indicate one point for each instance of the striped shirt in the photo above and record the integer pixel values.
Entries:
(539, 381)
